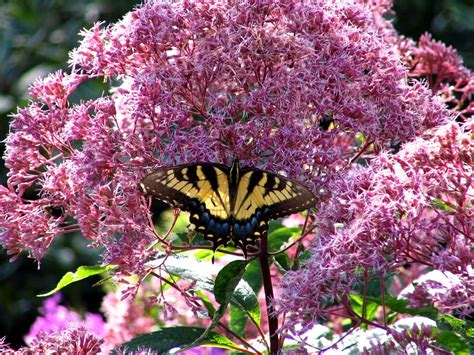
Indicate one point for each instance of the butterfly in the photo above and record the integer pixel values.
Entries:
(228, 203)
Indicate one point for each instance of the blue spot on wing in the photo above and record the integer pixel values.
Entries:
(222, 229)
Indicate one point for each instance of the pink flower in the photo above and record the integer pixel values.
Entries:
(126, 319)
(203, 82)
(414, 206)
(446, 291)
(326, 92)
(70, 341)
(56, 318)
(444, 70)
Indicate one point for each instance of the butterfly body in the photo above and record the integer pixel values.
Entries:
(228, 203)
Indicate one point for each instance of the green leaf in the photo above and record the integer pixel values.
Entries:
(189, 269)
(463, 328)
(439, 204)
(166, 339)
(280, 236)
(246, 299)
(357, 303)
(224, 287)
(273, 225)
(452, 322)
(402, 306)
(227, 280)
(283, 263)
(238, 320)
(453, 342)
(207, 303)
(302, 257)
(374, 286)
(81, 273)
(253, 275)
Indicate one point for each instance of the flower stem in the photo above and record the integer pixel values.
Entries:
(268, 288)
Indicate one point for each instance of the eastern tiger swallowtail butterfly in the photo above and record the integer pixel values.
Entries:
(228, 203)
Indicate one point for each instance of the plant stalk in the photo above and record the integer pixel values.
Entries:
(268, 288)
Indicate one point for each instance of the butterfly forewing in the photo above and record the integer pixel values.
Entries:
(272, 193)
(180, 185)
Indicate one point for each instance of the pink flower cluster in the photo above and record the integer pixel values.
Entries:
(443, 68)
(411, 207)
(56, 318)
(60, 330)
(201, 82)
(303, 87)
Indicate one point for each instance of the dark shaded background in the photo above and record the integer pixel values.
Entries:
(35, 38)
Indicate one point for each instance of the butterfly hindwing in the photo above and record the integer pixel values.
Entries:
(202, 190)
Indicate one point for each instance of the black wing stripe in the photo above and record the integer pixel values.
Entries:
(192, 175)
(210, 174)
(253, 181)
(269, 183)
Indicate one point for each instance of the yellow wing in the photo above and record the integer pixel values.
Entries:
(201, 189)
(261, 196)
(272, 193)
(206, 184)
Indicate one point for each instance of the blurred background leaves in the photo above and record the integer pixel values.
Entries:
(35, 38)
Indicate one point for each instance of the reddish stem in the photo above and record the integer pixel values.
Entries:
(268, 288)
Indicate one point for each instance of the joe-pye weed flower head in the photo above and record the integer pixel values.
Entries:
(202, 82)
(296, 87)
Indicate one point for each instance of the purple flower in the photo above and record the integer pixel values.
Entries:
(414, 206)
(56, 318)
(311, 89)
(203, 82)
(447, 291)
(69, 341)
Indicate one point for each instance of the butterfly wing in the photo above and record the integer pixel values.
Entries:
(201, 189)
(261, 196)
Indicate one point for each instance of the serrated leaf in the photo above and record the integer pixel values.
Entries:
(166, 339)
(191, 269)
(241, 294)
(453, 342)
(454, 323)
(245, 298)
(224, 287)
(227, 280)
(81, 273)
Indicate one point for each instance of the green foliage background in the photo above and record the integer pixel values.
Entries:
(35, 38)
